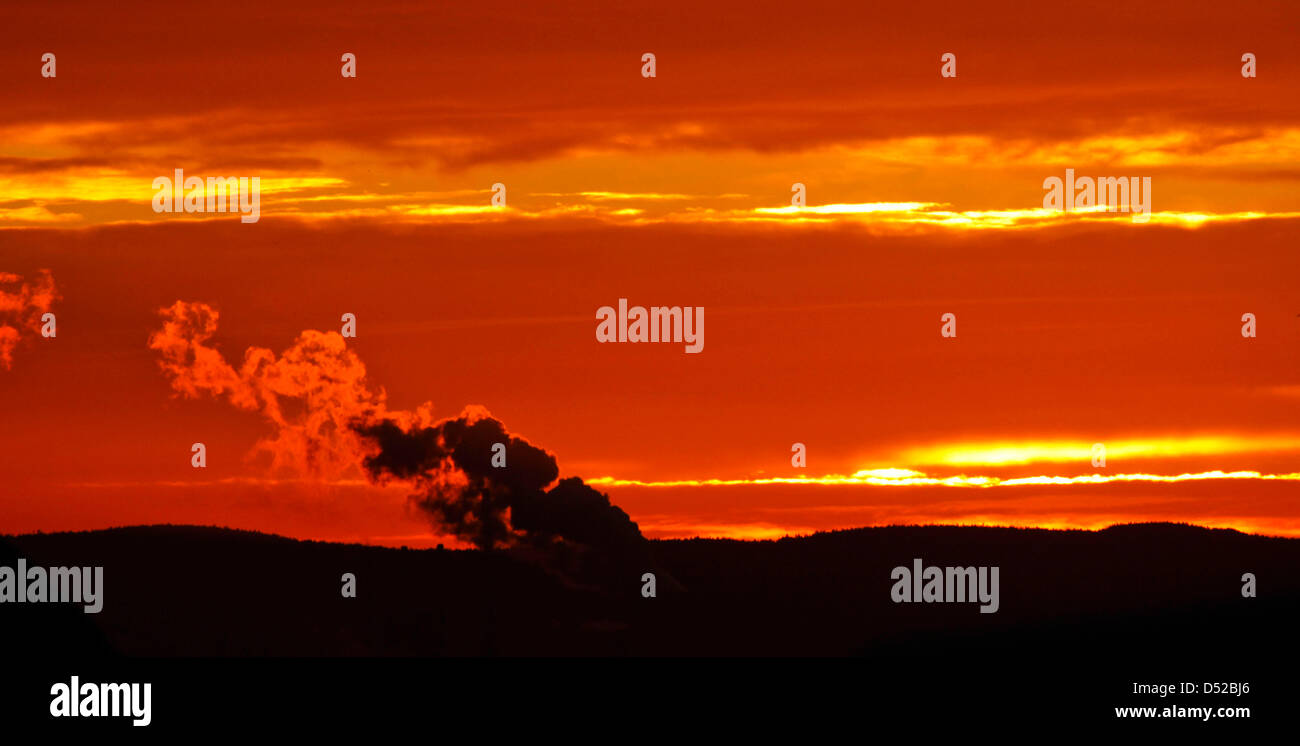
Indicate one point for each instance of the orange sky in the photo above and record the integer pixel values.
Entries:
(822, 324)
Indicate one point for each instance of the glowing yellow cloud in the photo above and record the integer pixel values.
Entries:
(1002, 454)
(108, 186)
(848, 209)
(914, 478)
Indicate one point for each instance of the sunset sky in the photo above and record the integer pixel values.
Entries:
(924, 197)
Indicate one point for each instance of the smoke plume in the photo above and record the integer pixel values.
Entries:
(451, 464)
(311, 393)
(328, 420)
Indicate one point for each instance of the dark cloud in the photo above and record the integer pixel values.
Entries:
(16, 165)
(741, 75)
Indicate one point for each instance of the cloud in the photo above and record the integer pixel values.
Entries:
(22, 303)
(16, 165)
(910, 478)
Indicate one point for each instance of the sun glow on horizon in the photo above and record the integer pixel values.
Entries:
(914, 478)
(1026, 452)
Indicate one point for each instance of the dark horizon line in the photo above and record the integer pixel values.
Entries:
(824, 532)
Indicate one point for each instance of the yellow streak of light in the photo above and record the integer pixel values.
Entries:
(919, 479)
(847, 209)
(115, 186)
(1000, 454)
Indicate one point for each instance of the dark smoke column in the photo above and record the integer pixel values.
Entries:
(450, 464)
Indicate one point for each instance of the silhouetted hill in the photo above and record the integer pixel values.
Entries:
(1147, 591)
